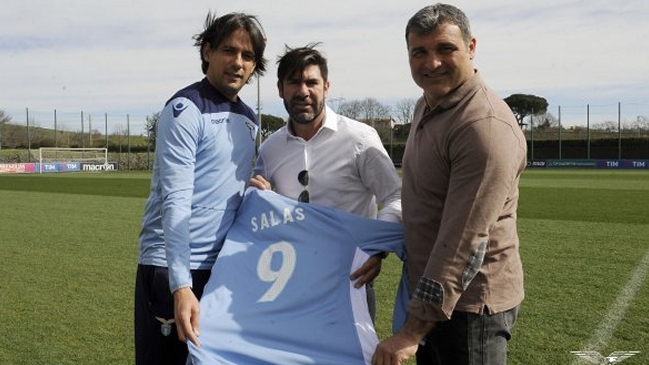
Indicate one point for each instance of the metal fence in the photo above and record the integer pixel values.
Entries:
(619, 130)
(28, 129)
(57, 128)
(591, 124)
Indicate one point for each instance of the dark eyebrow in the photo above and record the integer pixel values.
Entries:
(416, 49)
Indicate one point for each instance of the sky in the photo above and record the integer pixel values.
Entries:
(109, 59)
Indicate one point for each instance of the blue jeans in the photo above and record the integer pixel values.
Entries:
(469, 339)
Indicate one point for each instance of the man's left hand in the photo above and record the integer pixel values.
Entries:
(368, 272)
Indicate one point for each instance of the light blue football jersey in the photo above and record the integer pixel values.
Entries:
(203, 161)
(280, 291)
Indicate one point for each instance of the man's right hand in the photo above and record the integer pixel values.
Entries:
(260, 182)
(186, 310)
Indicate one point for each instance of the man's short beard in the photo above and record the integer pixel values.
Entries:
(305, 118)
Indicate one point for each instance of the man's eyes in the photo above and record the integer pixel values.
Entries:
(440, 50)
(248, 56)
(446, 49)
(306, 82)
(417, 53)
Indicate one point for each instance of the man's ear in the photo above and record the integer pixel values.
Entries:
(326, 89)
(252, 73)
(472, 46)
(205, 51)
(280, 89)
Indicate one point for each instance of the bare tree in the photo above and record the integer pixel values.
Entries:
(607, 126)
(368, 109)
(351, 109)
(4, 117)
(121, 133)
(404, 110)
(335, 103)
(372, 109)
(641, 124)
(545, 121)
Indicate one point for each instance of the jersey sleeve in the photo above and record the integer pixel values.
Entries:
(374, 236)
(176, 145)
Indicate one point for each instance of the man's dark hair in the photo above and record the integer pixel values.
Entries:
(216, 29)
(295, 60)
(429, 18)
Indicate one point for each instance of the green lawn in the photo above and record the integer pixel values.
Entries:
(69, 249)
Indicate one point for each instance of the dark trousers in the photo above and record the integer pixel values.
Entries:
(371, 300)
(469, 339)
(156, 340)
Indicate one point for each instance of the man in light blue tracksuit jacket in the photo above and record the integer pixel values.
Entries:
(203, 160)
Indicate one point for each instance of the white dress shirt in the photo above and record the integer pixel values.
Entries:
(349, 169)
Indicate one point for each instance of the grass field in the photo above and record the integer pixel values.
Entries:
(68, 245)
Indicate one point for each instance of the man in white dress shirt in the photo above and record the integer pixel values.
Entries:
(324, 158)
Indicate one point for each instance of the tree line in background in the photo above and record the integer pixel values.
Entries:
(368, 110)
(15, 135)
(391, 122)
(536, 108)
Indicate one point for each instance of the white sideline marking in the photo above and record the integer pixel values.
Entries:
(604, 332)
